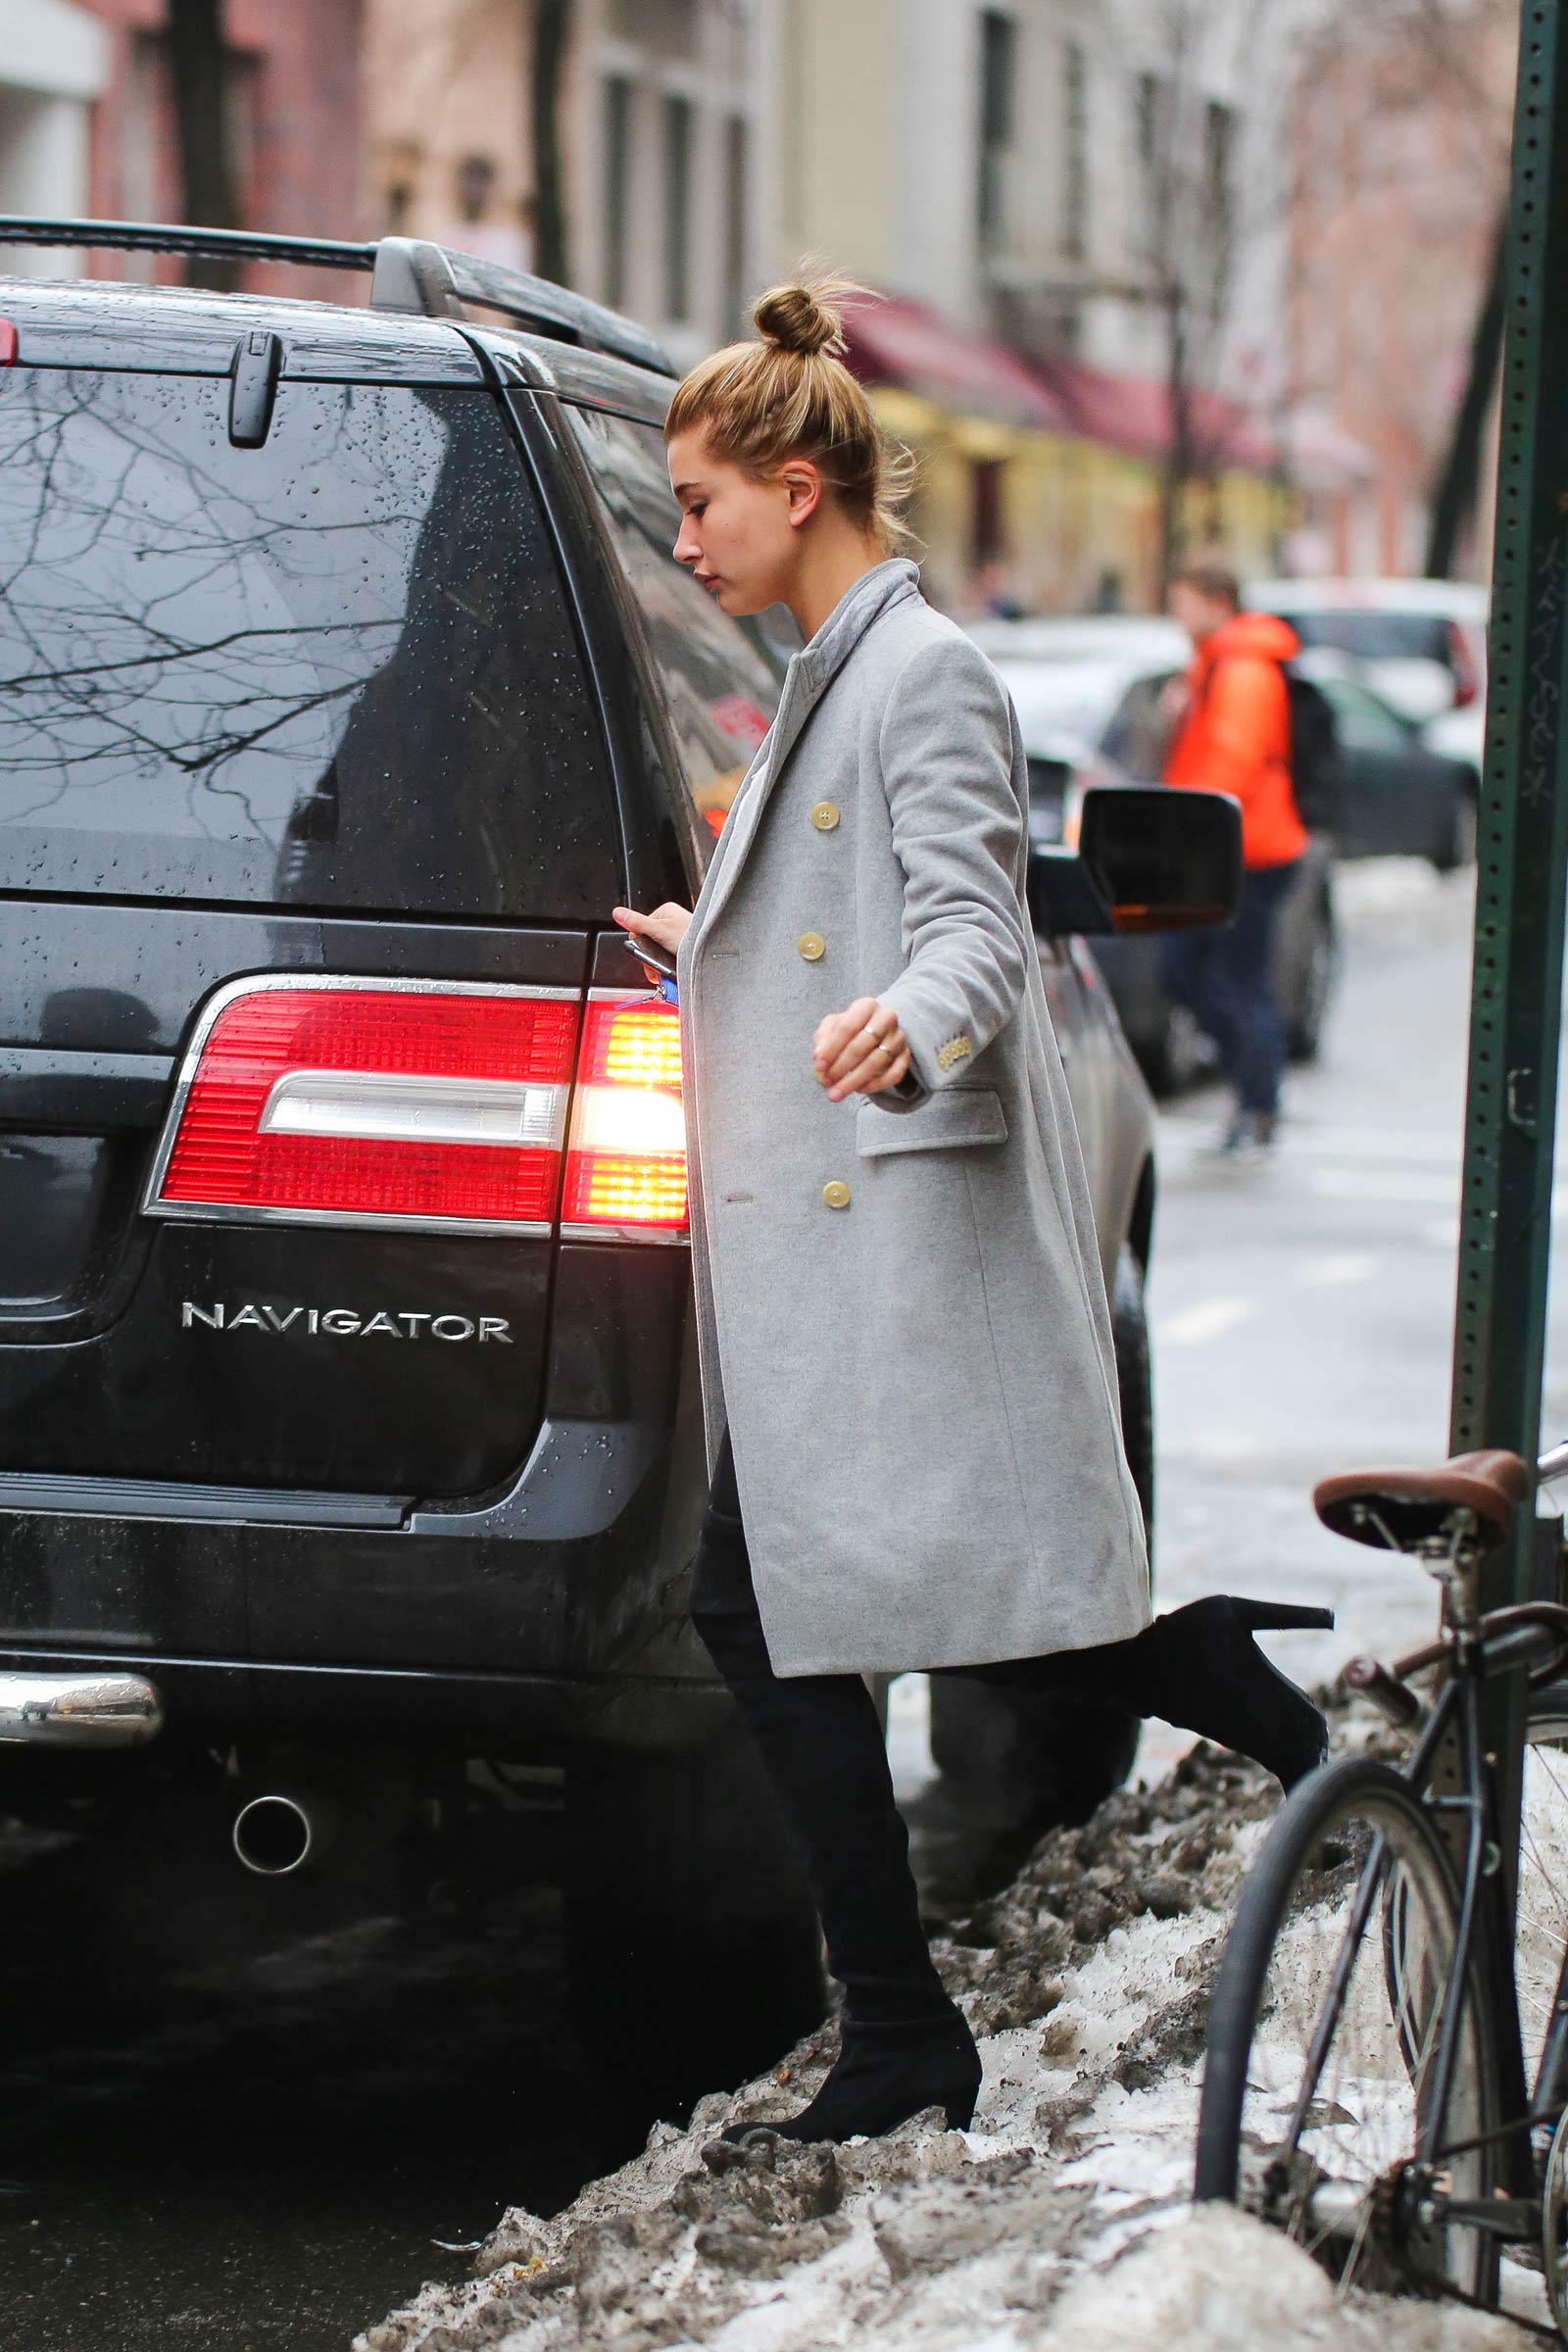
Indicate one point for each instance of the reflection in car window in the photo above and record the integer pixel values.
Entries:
(721, 678)
(335, 670)
(1140, 731)
(1364, 724)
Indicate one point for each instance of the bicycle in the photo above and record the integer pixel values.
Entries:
(1365, 2085)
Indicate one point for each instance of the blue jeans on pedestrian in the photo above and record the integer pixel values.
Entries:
(1226, 981)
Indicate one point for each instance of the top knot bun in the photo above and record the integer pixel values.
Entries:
(806, 318)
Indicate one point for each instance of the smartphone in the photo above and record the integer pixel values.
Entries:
(648, 952)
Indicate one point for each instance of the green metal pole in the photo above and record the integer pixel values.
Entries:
(1515, 1020)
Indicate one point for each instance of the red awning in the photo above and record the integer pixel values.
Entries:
(898, 341)
(1132, 413)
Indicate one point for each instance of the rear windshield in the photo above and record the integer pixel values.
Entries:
(334, 671)
(1378, 636)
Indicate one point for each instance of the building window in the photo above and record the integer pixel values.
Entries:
(736, 190)
(1075, 152)
(620, 96)
(679, 129)
(1152, 107)
(986, 543)
(998, 67)
(1219, 176)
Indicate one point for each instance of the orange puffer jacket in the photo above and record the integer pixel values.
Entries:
(1235, 736)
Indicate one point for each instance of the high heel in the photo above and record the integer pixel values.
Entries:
(886, 2071)
(1279, 1616)
(1209, 1677)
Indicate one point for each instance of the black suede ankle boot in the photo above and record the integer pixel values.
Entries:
(887, 2071)
(1202, 1670)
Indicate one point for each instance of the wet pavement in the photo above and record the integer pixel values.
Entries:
(241, 2114)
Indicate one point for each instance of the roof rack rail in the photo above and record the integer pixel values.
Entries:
(406, 275)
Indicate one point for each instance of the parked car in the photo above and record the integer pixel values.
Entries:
(1401, 793)
(349, 1420)
(1420, 644)
(1088, 700)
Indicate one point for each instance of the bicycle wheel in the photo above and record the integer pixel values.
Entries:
(1322, 2032)
(1540, 1938)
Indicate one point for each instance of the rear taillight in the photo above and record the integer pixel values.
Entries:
(372, 1102)
(1466, 684)
(626, 1153)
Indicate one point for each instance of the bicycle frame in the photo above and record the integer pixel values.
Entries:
(1453, 1746)
(1466, 1821)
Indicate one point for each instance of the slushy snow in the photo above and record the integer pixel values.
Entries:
(1060, 2221)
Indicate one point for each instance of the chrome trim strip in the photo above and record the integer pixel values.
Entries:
(234, 1214)
(648, 997)
(79, 1711)
(680, 1235)
(230, 1212)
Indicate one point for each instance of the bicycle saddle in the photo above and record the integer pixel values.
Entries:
(1414, 1506)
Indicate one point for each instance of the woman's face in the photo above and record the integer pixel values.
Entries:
(740, 537)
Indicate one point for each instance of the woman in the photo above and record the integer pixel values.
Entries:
(904, 1345)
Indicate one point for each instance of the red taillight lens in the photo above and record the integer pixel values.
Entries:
(1466, 684)
(362, 1104)
(626, 1154)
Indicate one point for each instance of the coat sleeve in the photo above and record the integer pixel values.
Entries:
(959, 830)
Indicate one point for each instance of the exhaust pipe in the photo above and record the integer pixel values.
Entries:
(313, 1802)
(280, 1831)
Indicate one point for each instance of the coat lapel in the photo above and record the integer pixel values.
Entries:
(809, 675)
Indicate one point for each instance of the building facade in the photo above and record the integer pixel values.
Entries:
(1400, 174)
(1041, 179)
(87, 123)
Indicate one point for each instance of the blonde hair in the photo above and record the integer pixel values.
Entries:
(789, 395)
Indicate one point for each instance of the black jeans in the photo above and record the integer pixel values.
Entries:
(1226, 981)
(822, 1744)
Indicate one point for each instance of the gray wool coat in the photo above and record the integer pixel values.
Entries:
(900, 1305)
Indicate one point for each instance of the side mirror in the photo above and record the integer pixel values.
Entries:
(1150, 858)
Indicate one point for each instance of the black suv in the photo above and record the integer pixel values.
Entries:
(349, 1420)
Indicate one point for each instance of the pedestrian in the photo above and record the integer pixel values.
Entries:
(1233, 735)
(908, 1381)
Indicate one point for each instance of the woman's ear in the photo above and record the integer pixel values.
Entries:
(803, 488)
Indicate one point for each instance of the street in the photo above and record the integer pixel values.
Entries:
(282, 2109)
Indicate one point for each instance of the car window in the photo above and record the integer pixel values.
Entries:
(1364, 724)
(336, 670)
(721, 678)
(1139, 735)
(1377, 636)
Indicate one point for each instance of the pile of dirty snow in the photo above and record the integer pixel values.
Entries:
(1061, 2220)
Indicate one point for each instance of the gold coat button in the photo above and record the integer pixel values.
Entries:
(812, 945)
(824, 817)
(836, 1194)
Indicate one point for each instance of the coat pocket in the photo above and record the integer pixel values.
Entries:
(959, 1114)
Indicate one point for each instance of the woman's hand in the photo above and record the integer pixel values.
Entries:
(665, 927)
(860, 1051)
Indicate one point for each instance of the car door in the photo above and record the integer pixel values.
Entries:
(1389, 800)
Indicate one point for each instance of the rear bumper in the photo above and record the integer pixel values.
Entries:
(83, 1707)
(540, 1716)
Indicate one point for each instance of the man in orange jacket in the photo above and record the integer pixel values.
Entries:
(1235, 737)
